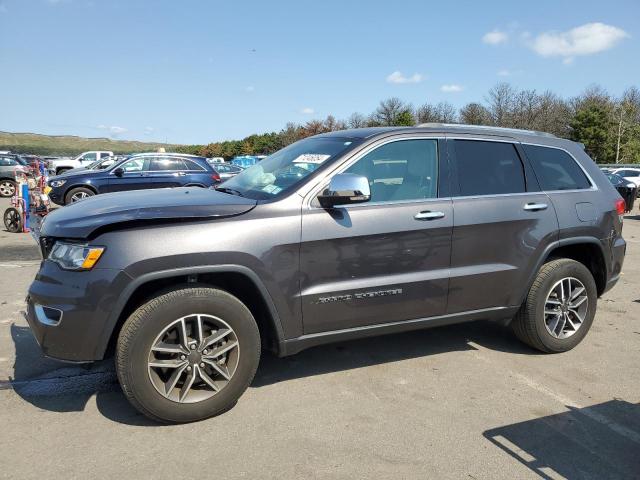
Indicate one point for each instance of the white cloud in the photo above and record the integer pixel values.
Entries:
(250, 89)
(113, 130)
(583, 40)
(148, 130)
(451, 88)
(308, 111)
(504, 73)
(495, 37)
(398, 77)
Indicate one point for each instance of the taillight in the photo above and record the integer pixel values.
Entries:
(216, 177)
(620, 206)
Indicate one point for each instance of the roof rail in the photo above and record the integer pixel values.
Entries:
(488, 128)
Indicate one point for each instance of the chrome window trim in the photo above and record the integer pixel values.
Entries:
(324, 181)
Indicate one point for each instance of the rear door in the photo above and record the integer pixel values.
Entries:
(502, 224)
(166, 172)
(386, 260)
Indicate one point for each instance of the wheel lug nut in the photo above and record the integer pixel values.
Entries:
(202, 364)
(182, 357)
(204, 352)
(189, 368)
(193, 346)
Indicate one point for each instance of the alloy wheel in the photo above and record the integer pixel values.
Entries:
(193, 358)
(76, 197)
(565, 308)
(7, 189)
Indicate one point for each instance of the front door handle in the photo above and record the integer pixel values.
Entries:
(534, 207)
(428, 215)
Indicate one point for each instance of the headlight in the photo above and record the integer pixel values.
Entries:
(58, 183)
(75, 256)
(631, 185)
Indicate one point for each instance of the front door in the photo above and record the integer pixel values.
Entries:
(134, 177)
(502, 224)
(382, 261)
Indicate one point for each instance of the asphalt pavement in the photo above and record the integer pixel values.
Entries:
(460, 402)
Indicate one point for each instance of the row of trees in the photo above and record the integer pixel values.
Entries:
(608, 126)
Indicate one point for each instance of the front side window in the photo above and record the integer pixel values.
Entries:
(488, 168)
(286, 169)
(7, 162)
(88, 157)
(401, 170)
(555, 169)
(134, 165)
(629, 173)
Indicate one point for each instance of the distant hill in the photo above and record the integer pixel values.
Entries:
(72, 145)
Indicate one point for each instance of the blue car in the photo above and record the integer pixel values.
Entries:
(245, 161)
(142, 171)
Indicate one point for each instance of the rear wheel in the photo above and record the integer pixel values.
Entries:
(560, 307)
(77, 194)
(7, 188)
(12, 220)
(188, 354)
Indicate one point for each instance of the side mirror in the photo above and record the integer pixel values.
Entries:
(345, 189)
(118, 172)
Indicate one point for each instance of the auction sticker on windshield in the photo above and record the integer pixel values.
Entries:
(311, 158)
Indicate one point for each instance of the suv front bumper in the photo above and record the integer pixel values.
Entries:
(67, 311)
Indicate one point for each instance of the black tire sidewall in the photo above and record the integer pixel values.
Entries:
(226, 307)
(568, 269)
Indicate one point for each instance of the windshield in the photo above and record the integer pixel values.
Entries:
(287, 168)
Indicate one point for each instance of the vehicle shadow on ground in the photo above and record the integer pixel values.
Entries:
(60, 387)
(599, 442)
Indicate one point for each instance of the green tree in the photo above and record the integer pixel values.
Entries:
(591, 125)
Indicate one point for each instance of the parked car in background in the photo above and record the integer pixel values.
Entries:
(396, 229)
(226, 170)
(101, 164)
(137, 172)
(63, 164)
(630, 174)
(9, 165)
(627, 190)
(245, 161)
(215, 160)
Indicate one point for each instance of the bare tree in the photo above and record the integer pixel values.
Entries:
(443, 112)
(501, 99)
(357, 120)
(475, 114)
(389, 111)
(627, 117)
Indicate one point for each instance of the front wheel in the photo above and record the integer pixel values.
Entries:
(77, 194)
(559, 308)
(188, 354)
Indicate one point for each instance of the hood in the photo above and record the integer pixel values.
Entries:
(79, 220)
(76, 172)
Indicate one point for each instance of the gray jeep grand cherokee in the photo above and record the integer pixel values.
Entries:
(338, 236)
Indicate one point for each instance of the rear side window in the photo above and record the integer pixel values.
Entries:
(7, 162)
(488, 168)
(556, 169)
(191, 165)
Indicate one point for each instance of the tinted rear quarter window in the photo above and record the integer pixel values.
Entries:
(488, 168)
(556, 169)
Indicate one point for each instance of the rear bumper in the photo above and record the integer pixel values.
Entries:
(618, 251)
(67, 311)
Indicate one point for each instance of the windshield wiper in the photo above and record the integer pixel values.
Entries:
(231, 191)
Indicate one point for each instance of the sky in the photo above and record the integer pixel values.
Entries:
(197, 71)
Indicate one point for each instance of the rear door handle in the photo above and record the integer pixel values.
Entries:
(535, 206)
(428, 215)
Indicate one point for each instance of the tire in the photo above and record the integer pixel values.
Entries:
(535, 321)
(7, 188)
(76, 194)
(144, 385)
(12, 220)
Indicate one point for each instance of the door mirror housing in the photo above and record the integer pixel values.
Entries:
(118, 172)
(345, 189)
